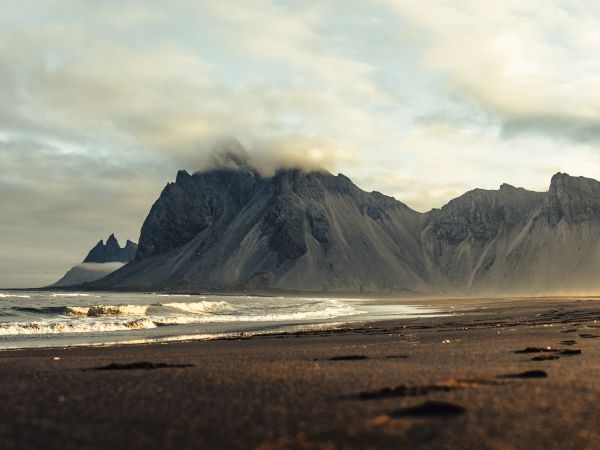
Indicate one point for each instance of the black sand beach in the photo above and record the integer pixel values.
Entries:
(509, 373)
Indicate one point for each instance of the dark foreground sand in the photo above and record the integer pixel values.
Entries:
(287, 391)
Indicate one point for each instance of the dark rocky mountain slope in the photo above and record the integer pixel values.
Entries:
(231, 228)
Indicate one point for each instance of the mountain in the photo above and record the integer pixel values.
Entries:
(514, 241)
(111, 251)
(235, 229)
(231, 228)
(102, 260)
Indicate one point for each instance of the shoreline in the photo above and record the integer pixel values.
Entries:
(324, 328)
(523, 374)
(448, 298)
(440, 309)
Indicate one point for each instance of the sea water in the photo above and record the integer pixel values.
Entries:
(56, 318)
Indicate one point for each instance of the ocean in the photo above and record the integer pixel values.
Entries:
(59, 319)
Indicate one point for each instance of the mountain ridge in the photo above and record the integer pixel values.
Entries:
(232, 228)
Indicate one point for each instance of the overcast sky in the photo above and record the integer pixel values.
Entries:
(101, 103)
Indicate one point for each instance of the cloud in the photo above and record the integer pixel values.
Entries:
(531, 65)
(90, 78)
(268, 156)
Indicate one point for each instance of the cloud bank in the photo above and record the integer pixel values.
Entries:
(531, 65)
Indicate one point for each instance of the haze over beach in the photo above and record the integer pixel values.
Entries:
(277, 224)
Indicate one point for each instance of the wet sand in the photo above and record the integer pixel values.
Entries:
(514, 373)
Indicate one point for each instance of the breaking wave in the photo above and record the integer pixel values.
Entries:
(53, 314)
(199, 307)
(89, 311)
(76, 326)
(14, 296)
(107, 310)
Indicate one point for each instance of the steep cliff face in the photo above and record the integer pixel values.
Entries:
(462, 240)
(573, 199)
(293, 231)
(193, 204)
(234, 229)
(514, 241)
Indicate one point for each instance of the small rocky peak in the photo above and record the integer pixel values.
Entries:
(112, 243)
(182, 176)
(111, 251)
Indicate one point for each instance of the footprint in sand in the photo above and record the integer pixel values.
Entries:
(418, 391)
(570, 352)
(141, 366)
(545, 358)
(405, 391)
(429, 409)
(555, 351)
(360, 357)
(525, 375)
(349, 358)
(589, 336)
(538, 350)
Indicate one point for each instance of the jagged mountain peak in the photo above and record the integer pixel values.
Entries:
(293, 229)
(112, 243)
(111, 251)
(304, 230)
(212, 198)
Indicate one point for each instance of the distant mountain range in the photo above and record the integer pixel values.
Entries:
(233, 229)
(100, 261)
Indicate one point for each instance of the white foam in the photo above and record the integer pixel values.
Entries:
(199, 307)
(77, 294)
(334, 310)
(72, 326)
(108, 310)
(177, 295)
(14, 296)
(106, 318)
